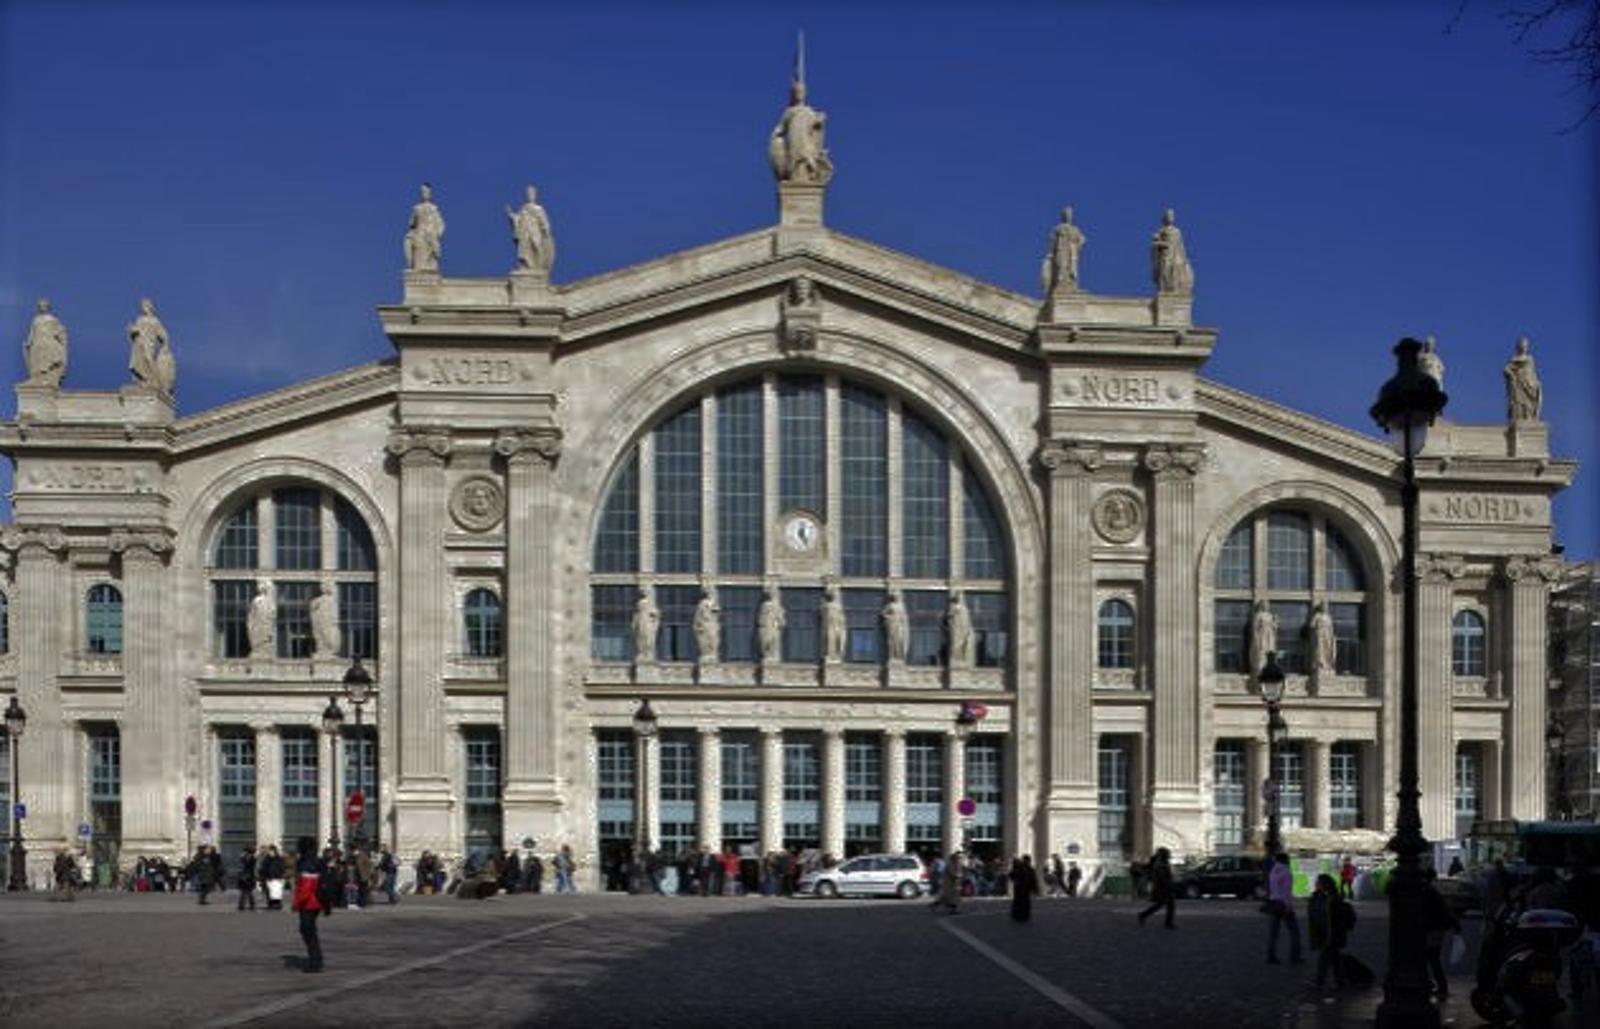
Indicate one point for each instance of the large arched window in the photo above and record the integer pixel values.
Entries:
(1293, 560)
(1468, 645)
(805, 480)
(103, 620)
(299, 542)
(480, 617)
(1116, 634)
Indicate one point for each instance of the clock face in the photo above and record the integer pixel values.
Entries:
(801, 532)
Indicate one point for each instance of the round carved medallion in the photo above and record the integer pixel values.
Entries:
(1119, 516)
(478, 503)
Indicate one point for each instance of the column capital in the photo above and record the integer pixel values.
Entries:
(141, 544)
(525, 444)
(1440, 568)
(419, 444)
(1173, 460)
(1062, 457)
(1531, 571)
(36, 540)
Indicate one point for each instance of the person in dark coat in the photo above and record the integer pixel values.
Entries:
(310, 899)
(536, 873)
(1024, 884)
(1162, 894)
(1329, 919)
(247, 879)
(1074, 877)
(389, 871)
(205, 873)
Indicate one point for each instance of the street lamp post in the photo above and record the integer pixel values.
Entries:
(332, 720)
(1555, 737)
(1407, 404)
(967, 719)
(644, 727)
(16, 721)
(358, 690)
(1270, 679)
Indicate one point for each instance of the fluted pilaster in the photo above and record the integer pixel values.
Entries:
(833, 792)
(894, 791)
(1528, 585)
(710, 791)
(151, 707)
(771, 790)
(1436, 575)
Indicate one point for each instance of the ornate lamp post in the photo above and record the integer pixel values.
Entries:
(1270, 679)
(358, 690)
(967, 719)
(332, 720)
(1407, 404)
(1555, 738)
(16, 721)
(644, 727)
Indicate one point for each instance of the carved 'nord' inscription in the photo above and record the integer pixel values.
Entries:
(1114, 390)
(88, 477)
(470, 371)
(1482, 508)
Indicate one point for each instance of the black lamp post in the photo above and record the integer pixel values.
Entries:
(1407, 405)
(644, 727)
(1270, 679)
(358, 690)
(332, 720)
(967, 719)
(16, 721)
(1555, 737)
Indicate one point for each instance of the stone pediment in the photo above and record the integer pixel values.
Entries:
(266, 412)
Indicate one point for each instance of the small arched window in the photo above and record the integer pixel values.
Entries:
(104, 620)
(480, 616)
(1116, 634)
(1468, 651)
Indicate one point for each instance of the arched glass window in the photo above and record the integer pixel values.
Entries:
(1344, 567)
(301, 518)
(1468, 650)
(1116, 634)
(857, 488)
(480, 616)
(103, 620)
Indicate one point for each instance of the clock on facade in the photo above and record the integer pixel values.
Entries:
(801, 532)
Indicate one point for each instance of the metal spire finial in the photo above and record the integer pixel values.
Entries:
(800, 59)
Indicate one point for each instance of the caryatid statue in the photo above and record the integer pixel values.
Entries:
(530, 227)
(646, 625)
(1169, 262)
(1323, 641)
(770, 620)
(896, 626)
(958, 631)
(833, 624)
(1263, 636)
(796, 149)
(708, 626)
(325, 622)
(150, 353)
(261, 624)
(425, 235)
(45, 352)
(1060, 272)
(1524, 394)
(1430, 362)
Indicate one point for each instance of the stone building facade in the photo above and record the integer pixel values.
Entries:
(1574, 731)
(808, 495)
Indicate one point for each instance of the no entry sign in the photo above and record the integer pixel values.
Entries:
(355, 807)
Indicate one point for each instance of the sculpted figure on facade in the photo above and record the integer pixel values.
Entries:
(770, 620)
(708, 626)
(325, 622)
(796, 150)
(1323, 643)
(425, 235)
(1263, 636)
(1169, 262)
(958, 630)
(1060, 272)
(1430, 362)
(833, 624)
(530, 227)
(261, 624)
(646, 625)
(1524, 394)
(45, 352)
(896, 626)
(150, 354)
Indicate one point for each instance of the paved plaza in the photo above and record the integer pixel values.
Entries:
(613, 960)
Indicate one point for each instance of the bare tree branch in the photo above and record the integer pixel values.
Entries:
(1564, 33)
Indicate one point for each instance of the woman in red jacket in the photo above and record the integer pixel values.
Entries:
(308, 900)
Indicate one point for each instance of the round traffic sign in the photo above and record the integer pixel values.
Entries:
(966, 807)
(355, 807)
(189, 806)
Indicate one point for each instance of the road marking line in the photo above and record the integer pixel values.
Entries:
(1050, 990)
(278, 1007)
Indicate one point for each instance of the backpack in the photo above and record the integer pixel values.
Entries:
(329, 889)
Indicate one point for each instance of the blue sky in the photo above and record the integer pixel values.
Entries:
(1344, 174)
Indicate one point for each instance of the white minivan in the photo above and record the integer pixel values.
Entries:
(884, 875)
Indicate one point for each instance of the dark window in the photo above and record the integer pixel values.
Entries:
(231, 608)
(1232, 635)
(1344, 566)
(1293, 616)
(611, 622)
(924, 788)
(802, 455)
(864, 483)
(294, 618)
(356, 552)
(1288, 551)
(483, 792)
(739, 480)
(925, 614)
(104, 620)
(676, 639)
(1344, 786)
(678, 492)
(1235, 566)
(1467, 644)
(991, 628)
(358, 619)
(297, 518)
(480, 615)
(237, 542)
(616, 545)
(925, 499)
(739, 605)
(802, 629)
(983, 546)
(863, 615)
(1350, 638)
(1116, 634)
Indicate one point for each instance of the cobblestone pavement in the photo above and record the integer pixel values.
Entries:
(600, 961)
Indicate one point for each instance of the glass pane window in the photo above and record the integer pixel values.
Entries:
(1236, 563)
(863, 767)
(238, 542)
(104, 620)
(236, 791)
(863, 614)
(480, 615)
(1468, 650)
(1344, 786)
(1288, 551)
(294, 618)
(616, 544)
(802, 629)
(802, 455)
(105, 764)
(741, 787)
(1291, 779)
(1229, 792)
(1116, 634)
(675, 641)
(991, 628)
(1469, 789)
(677, 516)
(1115, 791)
(299, 789)
(864, 482)
(924, 788)
(483, 780)
(984, 782)
(983, 544)
(802, 769)
(925, 614)
(611, 622)
(1349, 638)
(361, 773)
(679, 775)
(739, 605)
(297, 521)
(1293, 617)
(925, 498)
(1231, 636)
(1344, 567)
(230, 606)
(615, 778)
(740, 467)
(358, 619)
(354, 539)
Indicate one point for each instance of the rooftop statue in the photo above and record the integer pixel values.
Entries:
(1060, 272)
(796, 149)
(1524, 394)
(530, 227)
(425, 235)
(1430, 362)
(1169, 262)
(770, 622)
(45, 352)
(150, 357)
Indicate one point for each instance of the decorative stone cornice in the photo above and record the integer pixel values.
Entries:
(1531, 571)
(543, 442)
(1071, 457)
(1177, 459)
(153, 543)
(1440, 568)
(49, 539)
(427, 443)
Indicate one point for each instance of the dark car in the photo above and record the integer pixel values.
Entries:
(1232, 875)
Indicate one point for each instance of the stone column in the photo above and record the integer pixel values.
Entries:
(955, 787)
(422, 795)
(1319, 781)
(1256, 772)
(1073, 801)
(647, 805)
(269, 783)
(1177, 814)
(1492, 789)
(771, 790)
(833, 792)
(894, 791)
(710, 789)
(327, 778)
(1435, 705)
(1527, 674)
(532, 801)
(42, 607)
(152, 713)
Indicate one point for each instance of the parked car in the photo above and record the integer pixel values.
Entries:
(885, 875)
(1235, 875)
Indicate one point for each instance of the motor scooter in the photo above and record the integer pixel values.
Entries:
(1519, 967)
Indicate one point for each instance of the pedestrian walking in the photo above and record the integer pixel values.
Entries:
(564, 866)
(205, 873)
(247, 879)
(1057, 879)
(389, 871)
(276, 869)
(1329, 919)
(950, 886)
(1280, 909)
(66, 876)
(1347, 879)
(1162, 895)
(1024, 884)
(1440, 922)
(1074, 877)
(311, 898)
